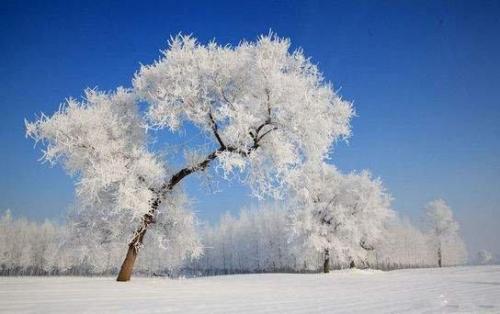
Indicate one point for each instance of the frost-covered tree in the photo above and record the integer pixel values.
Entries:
(403, 246)
(340, 215)
(443, 228)
(265, 111)
(407, 246)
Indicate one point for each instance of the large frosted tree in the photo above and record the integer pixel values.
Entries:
(264, 109)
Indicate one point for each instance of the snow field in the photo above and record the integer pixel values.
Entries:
(447, 290)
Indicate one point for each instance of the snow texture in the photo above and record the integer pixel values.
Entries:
(447, 290)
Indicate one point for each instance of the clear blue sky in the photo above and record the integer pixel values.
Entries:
(423, 75)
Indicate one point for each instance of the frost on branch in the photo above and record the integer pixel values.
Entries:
(101, 142)
(257, 96)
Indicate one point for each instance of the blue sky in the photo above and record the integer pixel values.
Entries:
(423, 75)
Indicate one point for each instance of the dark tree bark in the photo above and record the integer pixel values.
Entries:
(128, 264)
(326, 263)
(136, 243)
(352, 264)
(440, 257)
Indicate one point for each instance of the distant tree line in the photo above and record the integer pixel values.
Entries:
(258, 240)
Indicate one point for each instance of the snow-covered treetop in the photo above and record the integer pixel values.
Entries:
(255, 95)
(440, 218)
(267, 110)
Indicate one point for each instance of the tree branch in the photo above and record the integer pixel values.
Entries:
(267, 132)
(181, 174)
(363, 245)
(215, 129)
(149, 218)
(268, 95)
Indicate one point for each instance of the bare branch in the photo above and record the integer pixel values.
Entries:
(215, 129)
(267, 132)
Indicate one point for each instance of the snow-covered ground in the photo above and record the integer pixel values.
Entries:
(459, 289)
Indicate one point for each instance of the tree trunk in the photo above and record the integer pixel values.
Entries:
(440, 258)
(148, 218)
(128, 264)
(136, 243)
(326, 263)
(352, 264)
(133, 248)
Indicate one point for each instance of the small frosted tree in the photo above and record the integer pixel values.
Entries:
(442, 226)
(340, 215)
(265, 111)
(484, 257)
